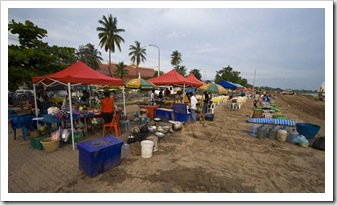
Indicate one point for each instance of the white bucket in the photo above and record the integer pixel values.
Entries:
(155, 141)
(147, 148)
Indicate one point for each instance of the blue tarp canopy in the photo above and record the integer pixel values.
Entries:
(230, 85)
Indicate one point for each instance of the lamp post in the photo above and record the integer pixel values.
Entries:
(158, 58)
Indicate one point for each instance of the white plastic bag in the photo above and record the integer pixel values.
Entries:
(55, 135)
(65, 135)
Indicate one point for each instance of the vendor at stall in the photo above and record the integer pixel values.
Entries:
(152, 98)
(160, 99)
(193, 107)
(108, 105)
(85, 98)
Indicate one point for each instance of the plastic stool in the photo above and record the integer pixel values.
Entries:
(125, 124)
(142, 119)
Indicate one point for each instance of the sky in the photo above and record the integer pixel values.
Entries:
(284, 45)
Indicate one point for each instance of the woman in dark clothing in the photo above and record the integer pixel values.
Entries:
(206, 100)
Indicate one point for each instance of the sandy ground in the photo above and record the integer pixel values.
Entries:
(220, 157)
(216, 157)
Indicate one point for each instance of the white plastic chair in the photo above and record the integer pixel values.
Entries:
(211, 108)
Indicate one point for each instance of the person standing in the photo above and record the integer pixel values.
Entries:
(160, 99)
(206, 100)
(108, 105)
(152, 98)
(167, 93)
(256, 99)
(194, 107)
(85, 98)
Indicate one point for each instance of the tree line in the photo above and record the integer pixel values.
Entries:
(33, 57)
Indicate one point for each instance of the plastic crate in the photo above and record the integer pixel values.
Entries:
(99, 155)
(35, 142)
(182, 117)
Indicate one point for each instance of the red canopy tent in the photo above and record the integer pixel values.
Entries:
(194, 79)
(173, 78)
(76, 74)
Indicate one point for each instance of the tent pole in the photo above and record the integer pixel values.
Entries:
(124, 101)
(35, 101)
(71, 116)
(36, 108)
(184, 93)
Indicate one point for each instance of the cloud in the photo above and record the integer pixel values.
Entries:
(277, 42)
(175, 34)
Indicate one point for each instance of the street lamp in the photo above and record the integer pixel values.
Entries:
(158, 58)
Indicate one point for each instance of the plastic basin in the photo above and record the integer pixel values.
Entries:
(307, 129)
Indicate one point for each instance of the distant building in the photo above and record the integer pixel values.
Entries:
(145, 73)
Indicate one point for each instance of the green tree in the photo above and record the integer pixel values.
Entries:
(181, 70)
(176, 58)
(109, 36)
(89, 55)
(137, 54)
(120, 70)
(228, 74)
(32, 57)
(156, 74)
(196, 73)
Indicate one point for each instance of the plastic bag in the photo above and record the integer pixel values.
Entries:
(319, 143)
(80, 124)
(301, 140)
(65, 135)
(298, 139)
(55, 135)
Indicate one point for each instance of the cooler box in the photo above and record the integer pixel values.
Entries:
(209, 116)
(99, 155)
(182, 117)
(180, 113)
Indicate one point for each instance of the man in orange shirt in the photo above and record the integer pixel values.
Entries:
(108, 105)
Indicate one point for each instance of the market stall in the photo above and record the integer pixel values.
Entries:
(175, 79)
(76, 74)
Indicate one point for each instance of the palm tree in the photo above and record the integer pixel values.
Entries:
(109, 37)
(137, 54)
(175, 58)
(120, 70)
(181, 70)
(90, 56)
(196, 73)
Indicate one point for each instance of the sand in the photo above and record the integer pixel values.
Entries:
(220, 157)
(213, 157)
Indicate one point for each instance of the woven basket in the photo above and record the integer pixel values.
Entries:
(50, 145)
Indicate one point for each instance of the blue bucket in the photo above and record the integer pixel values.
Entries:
(307, 129)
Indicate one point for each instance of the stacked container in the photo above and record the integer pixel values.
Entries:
(262, 131)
